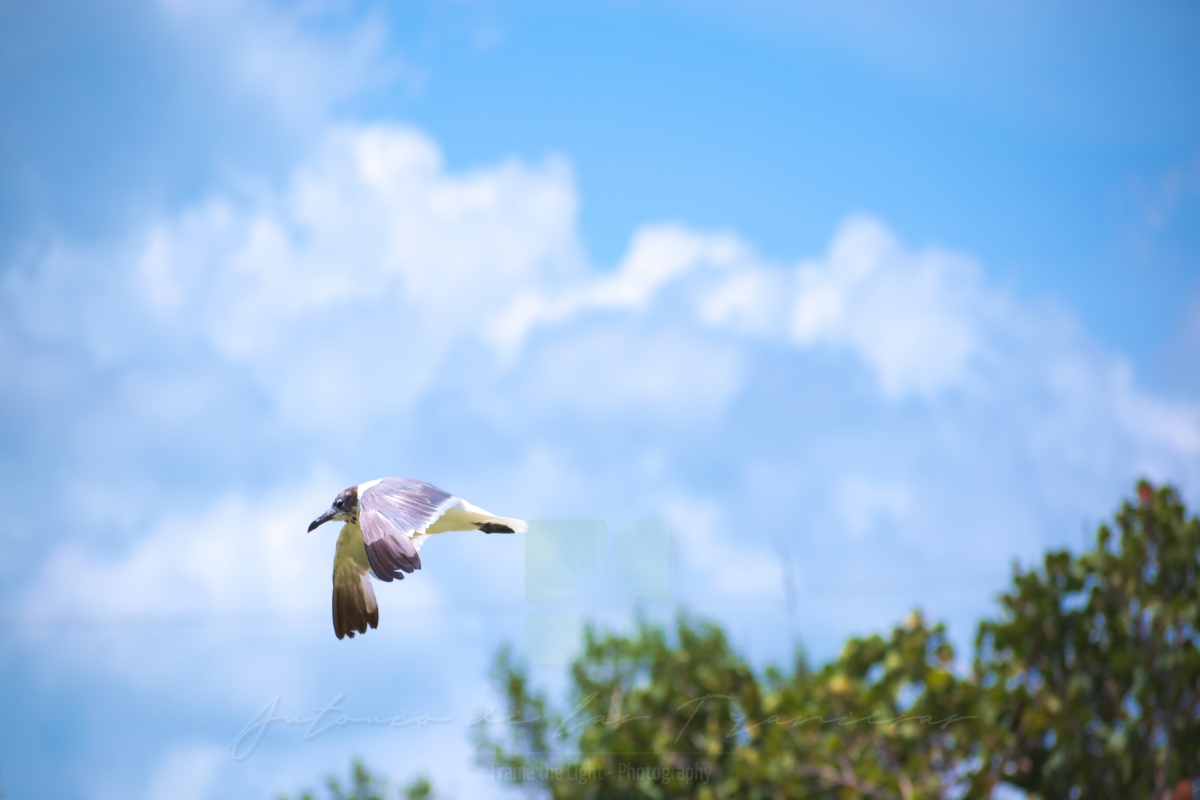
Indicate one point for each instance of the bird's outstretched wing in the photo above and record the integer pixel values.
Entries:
(391, 513)
(354, 605)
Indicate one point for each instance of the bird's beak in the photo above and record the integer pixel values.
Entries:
(321, 520)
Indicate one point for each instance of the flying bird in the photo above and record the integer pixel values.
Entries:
(387, 521)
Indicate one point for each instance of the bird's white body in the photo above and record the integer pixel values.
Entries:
(387, 522)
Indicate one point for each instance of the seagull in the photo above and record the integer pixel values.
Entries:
(387, 521)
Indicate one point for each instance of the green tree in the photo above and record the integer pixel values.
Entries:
(1092, 674)
(1087, 685)
(366, 786)
(652, 718)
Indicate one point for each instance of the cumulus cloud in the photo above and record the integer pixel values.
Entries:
(372, 263)
(880, 403)
(375, 244)
(241, 555)
(886, 412)
(375, 224)
(615, 370)
(274, 54)
(863, 503)
(708, 542)
(916, 318)
(913, 317)
(236, 598)
(185, 773)
(658, 257)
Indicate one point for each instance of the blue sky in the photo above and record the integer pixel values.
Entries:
(892, 298)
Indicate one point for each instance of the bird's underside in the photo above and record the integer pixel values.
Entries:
(393, 518)
(354, 606)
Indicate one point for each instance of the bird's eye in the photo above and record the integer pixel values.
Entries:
(337, 503)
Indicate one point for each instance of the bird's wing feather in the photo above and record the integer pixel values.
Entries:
(354, 606)
(391, 513)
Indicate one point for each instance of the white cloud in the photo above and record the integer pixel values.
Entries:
(375, 267)
(372, 255)
(374, 225)
(607, 371)
(375, 278)
(239, 556)
(185, 773)
(863, 503)
(239, 588)
(287, 56)
(715, 550)
(452, 317)
(915, 318)
(754, 301)
(1156, 421)
(658, 256)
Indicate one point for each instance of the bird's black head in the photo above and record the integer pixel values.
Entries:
(345, 506)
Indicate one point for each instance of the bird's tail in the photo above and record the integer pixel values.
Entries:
(465, 517)
(502, 525)
(490, 523)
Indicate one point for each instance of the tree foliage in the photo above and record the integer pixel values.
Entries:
(649, 718)
(1091, 676)
(366, 786)
(1087, 685)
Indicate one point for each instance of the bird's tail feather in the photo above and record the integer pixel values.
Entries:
(502, 525)
(465, 517)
